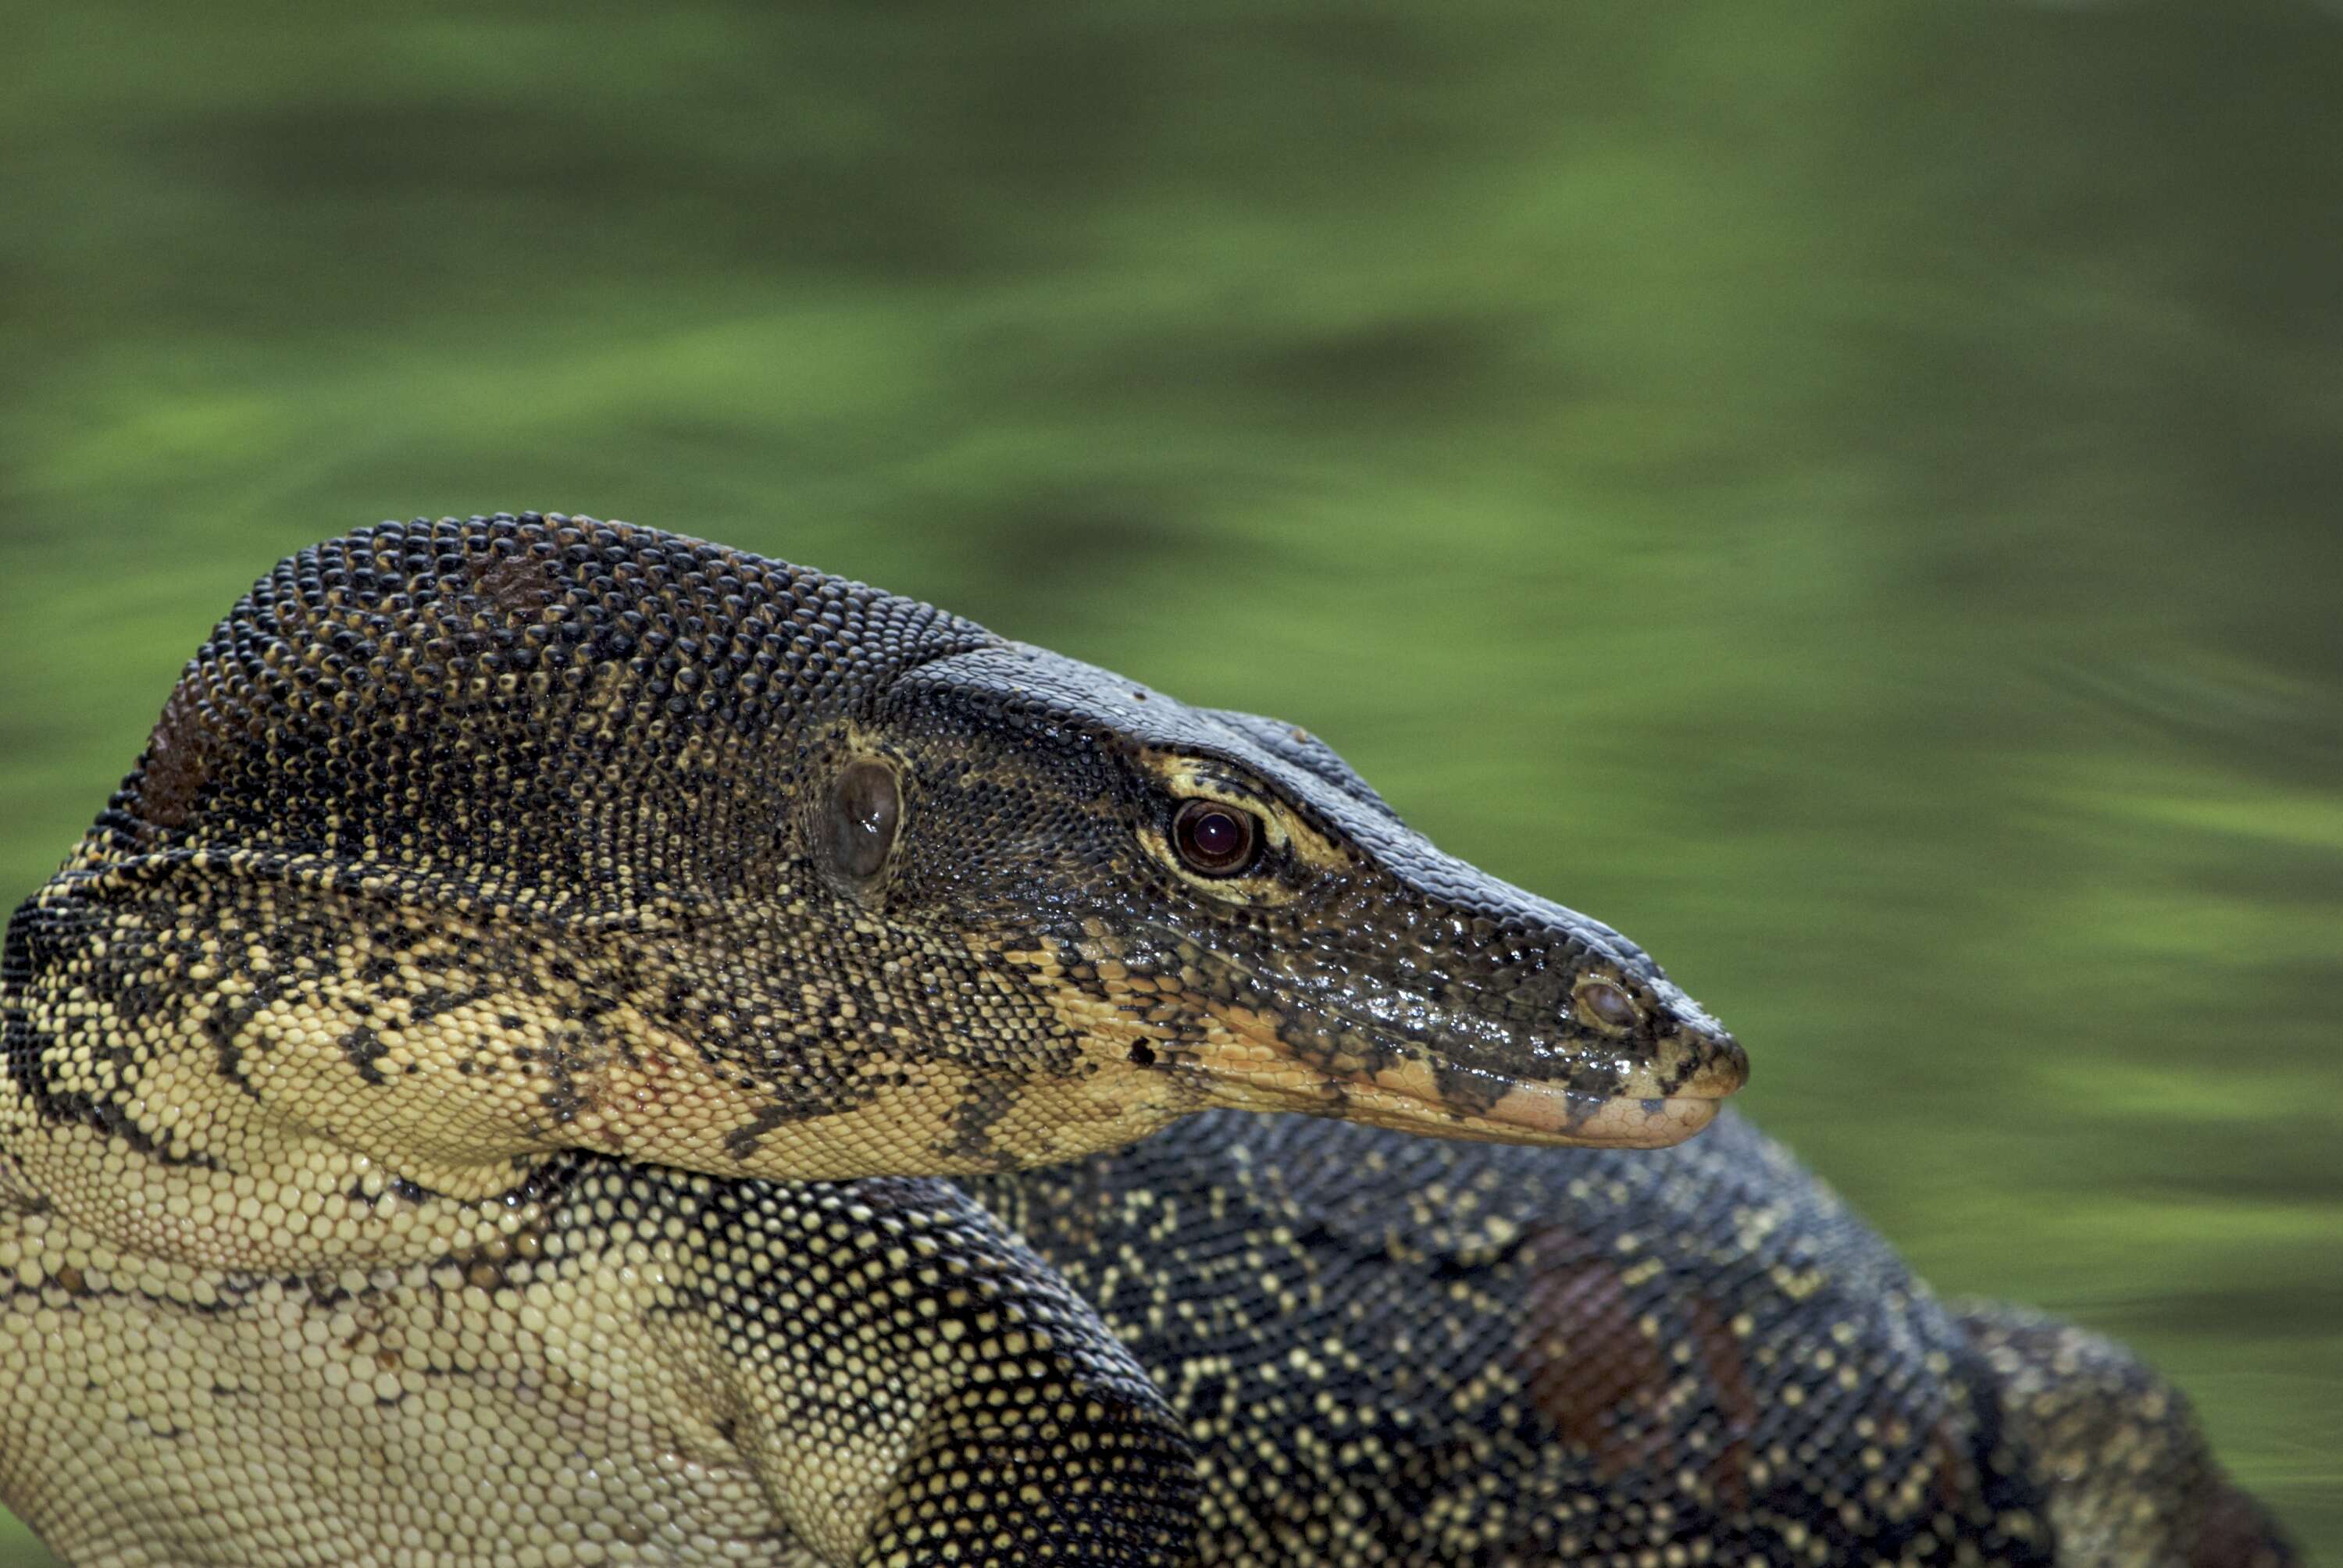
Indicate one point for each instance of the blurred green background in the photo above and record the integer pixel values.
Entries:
(1846, 493)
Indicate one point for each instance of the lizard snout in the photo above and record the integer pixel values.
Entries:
(1675, 1050)
(1654, 1071)
(1723, 1067)
(1621, 1061)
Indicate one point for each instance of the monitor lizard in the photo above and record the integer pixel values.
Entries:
(575, 1044)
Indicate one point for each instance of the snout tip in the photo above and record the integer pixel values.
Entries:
(1703, 1067)
(1720, 1067)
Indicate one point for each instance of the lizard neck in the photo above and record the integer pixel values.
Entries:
(196, 1074)
(263, 1196)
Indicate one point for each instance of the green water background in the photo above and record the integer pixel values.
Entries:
(1847, 493)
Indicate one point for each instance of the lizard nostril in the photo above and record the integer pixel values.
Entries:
(1605, 1006)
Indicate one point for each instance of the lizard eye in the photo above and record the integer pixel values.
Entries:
(1215, 841)
(1606, 1006)
(860, 820)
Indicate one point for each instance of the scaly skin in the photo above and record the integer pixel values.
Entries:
(482, 1092)
(1393, 1350)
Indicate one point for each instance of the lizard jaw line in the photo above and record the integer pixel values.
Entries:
(1526, 1112)
(1244, 1063)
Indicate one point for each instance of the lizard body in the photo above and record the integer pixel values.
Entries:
(484, 1091)
(1393, 1350)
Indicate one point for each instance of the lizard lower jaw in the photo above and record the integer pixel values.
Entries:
(1537, 1113)
(1245, 1064)
(1540, 1113)
(1524, 1112)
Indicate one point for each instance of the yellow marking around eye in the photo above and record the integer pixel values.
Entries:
(1283, 830)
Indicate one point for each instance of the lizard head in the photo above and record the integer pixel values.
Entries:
(1221, 913)
(465, 841)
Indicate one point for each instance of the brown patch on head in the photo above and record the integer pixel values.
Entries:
(520, 584)
(180, 752)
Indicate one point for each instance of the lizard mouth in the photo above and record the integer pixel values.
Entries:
(1413, 1095)
(1541, 1113)
(1242, 1059)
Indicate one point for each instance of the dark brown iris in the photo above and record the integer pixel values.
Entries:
(1215, 840)
(1607, 1006)
(859, 823)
